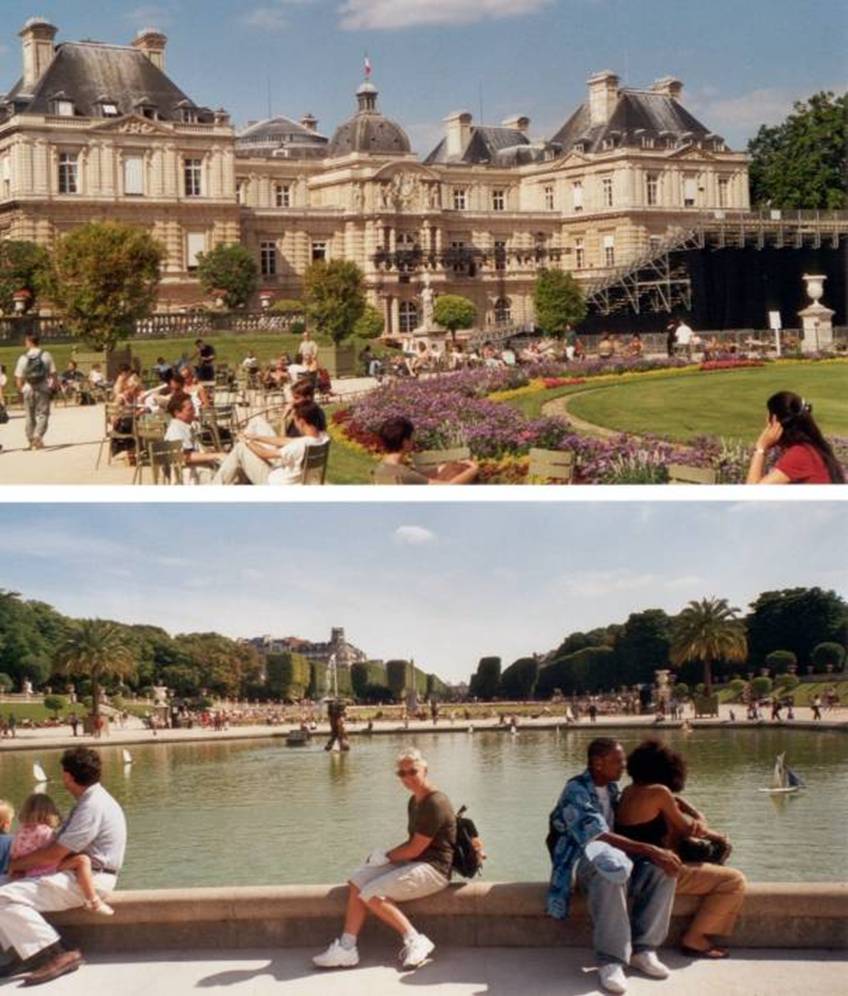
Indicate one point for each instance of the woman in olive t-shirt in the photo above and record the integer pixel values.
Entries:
(419, 867)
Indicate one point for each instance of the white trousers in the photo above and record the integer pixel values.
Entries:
(22, 902)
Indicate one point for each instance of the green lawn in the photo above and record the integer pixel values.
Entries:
(729, 404)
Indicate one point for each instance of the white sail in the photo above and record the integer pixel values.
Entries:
(778, 778)
(126, 756)
(39, 773)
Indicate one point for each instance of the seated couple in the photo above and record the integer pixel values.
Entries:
(263, 457)
(632, 852)
(396, 437)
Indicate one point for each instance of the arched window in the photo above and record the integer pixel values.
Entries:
(502, 311)
(408, 317)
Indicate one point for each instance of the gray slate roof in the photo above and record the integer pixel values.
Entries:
(280, 136)
(485, 146)
(88, 72)
(637, 114)
(368, 131)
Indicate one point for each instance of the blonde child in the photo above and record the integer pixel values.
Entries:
(7, 814)
(37, 824)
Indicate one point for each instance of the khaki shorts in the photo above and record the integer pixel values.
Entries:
(399, 881)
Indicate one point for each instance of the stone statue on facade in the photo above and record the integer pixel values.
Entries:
(427, 299)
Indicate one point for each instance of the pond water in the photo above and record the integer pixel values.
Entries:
(258, 812)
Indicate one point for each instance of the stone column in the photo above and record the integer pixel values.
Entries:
(816, 319)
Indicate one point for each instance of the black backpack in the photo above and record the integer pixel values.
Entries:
(467, 859)
(36, 370)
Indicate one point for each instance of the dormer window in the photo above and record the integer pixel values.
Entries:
(607, 144)
(186, 112)
(63, 108)
(647, 141)
(146, 109)
(109, 110)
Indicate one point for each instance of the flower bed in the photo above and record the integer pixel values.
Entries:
(730, 364)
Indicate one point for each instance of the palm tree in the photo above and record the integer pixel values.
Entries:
(95, 649)
(708, 631)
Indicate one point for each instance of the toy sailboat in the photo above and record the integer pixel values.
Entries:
(783, 778)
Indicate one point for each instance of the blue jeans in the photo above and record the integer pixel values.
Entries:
(616, 931)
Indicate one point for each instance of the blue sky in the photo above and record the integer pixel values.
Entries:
(742, 63)
(445, 583)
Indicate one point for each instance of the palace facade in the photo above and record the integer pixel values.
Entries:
(96, 131)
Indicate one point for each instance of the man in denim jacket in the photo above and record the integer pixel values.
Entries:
(611, 870)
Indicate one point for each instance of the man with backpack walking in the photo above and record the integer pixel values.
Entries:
(35, 373)
(421, 866)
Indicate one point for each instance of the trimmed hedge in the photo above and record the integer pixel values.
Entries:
(368, 673)
(781, 660)
(828, 653)
(399, 677)
(289, 675)
(592, 669)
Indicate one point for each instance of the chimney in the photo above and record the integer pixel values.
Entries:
(309, 122)
(518, 123)
(457, 133)
(37, 43)
(668, 86)
(603, 96)
(152, 43)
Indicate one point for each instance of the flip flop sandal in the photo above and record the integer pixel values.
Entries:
(710, 953)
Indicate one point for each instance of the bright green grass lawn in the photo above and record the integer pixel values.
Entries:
(729, 404)
(230, 349)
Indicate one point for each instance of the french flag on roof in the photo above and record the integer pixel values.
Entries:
(367, 67)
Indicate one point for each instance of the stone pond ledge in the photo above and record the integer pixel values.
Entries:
(473, 914)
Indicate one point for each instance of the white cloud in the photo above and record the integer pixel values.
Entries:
(371, 15)
(590, 584)
(413, 535)
(149, 15)
(264, 18)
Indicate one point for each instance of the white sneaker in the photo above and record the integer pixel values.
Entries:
(416, 951)
(648, 963)
(337, 957)
(612, 978)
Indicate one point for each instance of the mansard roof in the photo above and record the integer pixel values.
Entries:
(637, 114)
(91, 73)
(280, 137)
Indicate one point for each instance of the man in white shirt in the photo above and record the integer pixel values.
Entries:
(35, 375)
(684, 338)
(181, 429)
(308, 349)
(264, 459)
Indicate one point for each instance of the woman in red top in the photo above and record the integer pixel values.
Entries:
(806, 457)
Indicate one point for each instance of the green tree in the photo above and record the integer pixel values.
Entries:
(55, 704)
(335, 297)
(370, 324)
(558, 300)
(6, 683)
(828, 655)
(103, 278)
(795, 619)
(802, 163)
(761, 686)
(519, 679)
(708, 631)
(231, 269)
(786, 682)
(95, 649)
(23, 267)
(485, 681)
(399, 677)
(453, 312)
(781, 660)
(643, 646)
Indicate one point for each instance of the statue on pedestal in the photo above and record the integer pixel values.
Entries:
(427, 299)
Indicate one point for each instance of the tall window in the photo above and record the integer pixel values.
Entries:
(5, 177)
(282, 195)
(109, 110)
(498, 200)
(503, 312)
(500, 254)
(133, 176)
(459, 265)
(609, 250)
(459, 198)
(241, 191)
(191, 174)
(549, 198)
(64, 108)
(652, 189)
(408, 316)
(579, 254)
(723, 190)
(606, 191)
(68, 173)
(268, 258)
(195, 245)
(319, 251)
(690, 186)
(577, 195)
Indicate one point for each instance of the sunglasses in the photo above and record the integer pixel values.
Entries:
(406, 772)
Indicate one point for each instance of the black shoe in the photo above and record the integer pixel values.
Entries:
(20, 966)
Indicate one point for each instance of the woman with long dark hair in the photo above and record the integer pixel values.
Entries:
(806, 457)
(651, 810)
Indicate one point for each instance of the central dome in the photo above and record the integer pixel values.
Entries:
(368, 131)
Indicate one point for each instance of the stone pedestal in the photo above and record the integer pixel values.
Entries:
(816, 319)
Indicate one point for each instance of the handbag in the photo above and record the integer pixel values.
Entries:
(695, 850)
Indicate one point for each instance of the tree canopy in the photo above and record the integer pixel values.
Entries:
(23, 267)
(453, 311)
(558, 300)
(231, 269)
(103, 278)
(708, 630)
(370, 323)
(803, 162)
(795, 619)
(335, 297)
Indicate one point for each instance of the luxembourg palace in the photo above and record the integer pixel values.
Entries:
(95, 131)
